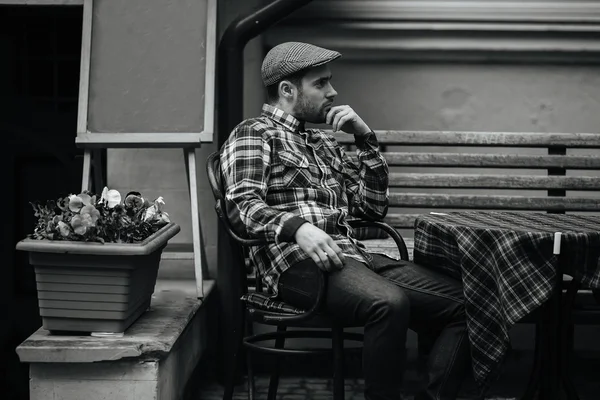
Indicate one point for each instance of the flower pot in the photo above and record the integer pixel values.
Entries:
(95, 287)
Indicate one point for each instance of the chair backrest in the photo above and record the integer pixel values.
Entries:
(239, 245)
(213, 169)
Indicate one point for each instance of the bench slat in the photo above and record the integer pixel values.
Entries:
(399, 221)
(492, 139)
(465, 201)
(388, 246)
(415, 180)
(404, 221)
(525, 161)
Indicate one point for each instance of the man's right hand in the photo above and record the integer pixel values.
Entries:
(320, 247)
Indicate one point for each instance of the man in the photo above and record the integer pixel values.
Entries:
(296, 188)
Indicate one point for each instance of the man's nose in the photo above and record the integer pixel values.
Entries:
(332, 92)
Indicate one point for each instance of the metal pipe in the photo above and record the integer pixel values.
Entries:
(230, 75)
(230, 112)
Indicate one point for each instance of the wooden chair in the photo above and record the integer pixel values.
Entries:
(264, 310)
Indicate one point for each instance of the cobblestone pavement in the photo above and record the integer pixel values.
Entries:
(585, 372)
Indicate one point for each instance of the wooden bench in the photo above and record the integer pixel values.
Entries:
(517, 171)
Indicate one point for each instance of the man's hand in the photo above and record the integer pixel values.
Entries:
(320, 247)
(344, 118)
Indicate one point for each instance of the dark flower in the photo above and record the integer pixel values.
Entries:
(134, 201)
(86, 217)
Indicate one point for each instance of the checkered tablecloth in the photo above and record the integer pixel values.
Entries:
(506, 263)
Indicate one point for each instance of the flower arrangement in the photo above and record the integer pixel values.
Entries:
(109, 218)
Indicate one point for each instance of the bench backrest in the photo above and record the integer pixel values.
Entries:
(553, 172)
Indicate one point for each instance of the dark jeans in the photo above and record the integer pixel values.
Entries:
(388, 300)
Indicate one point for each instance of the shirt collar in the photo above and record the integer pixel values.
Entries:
(283, 118)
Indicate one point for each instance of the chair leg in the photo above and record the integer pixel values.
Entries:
(249, 369)
(534, 381)
(568, 385)
(550, 384)
(230, 378)
(235, 355)
(337, 339)
(250, 372)
(567, 351)
(274, 381)
(568, 343)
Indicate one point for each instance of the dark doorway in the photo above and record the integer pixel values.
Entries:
(40, 48)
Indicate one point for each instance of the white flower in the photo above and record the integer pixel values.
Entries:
(155, 211)
(76, 202)
(164, 217)
(150, 213)
(113, 197)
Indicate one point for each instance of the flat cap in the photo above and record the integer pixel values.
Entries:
(287, 58)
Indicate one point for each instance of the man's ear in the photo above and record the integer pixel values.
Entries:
(286, 89)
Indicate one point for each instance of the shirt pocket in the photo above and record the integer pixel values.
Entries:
(292, 170)
(337, 170)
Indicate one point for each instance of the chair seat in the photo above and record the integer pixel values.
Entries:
(266, 305)
(263, 302)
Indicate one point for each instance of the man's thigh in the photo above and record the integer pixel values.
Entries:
(353, 290)
(435, 298)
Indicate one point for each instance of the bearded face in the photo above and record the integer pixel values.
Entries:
(309, 110)
(314, 96)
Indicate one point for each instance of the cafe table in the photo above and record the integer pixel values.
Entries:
(511, 264)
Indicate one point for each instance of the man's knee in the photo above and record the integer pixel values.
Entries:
(391, 303)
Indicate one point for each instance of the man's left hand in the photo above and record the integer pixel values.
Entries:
(344, 118)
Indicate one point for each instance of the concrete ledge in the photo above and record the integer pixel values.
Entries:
(153, 360)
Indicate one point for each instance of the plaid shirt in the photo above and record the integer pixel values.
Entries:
(507, 265)
(279, 175)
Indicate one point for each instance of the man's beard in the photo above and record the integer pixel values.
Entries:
(306, 111)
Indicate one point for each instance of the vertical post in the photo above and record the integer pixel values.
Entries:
(84, 67)
(84, 86)
(550, 371)
(557, 151)
(189, 154)
(87, 170)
